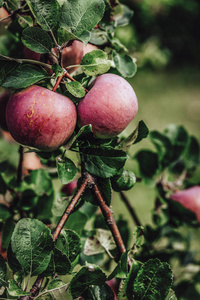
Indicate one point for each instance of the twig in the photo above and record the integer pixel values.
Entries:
(19, 169)
(70, 207)
(130, 209)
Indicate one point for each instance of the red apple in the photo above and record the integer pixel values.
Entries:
(40, 118)
(28, 53)
(190, 199)
(4, 14)
(109, 106)
(69, 188)
(30, 162)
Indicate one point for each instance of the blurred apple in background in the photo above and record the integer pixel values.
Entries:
(190, 199)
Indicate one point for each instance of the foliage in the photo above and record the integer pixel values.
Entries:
(53, 253)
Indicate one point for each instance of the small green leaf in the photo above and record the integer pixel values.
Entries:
(26, 75)
(148, 162)
(88, 275)
(65, 35)
(95, 292)
(3, 187)
(37, 40)
(99, 243)
(129, 281)
(192, 155)
(95, 63)
(124, 64)
(136, 136)
(14, 290)
(13, 262)
(80, 16)
(71, 244)
(121, 269)
(123, 182)
(76, 89)
(46, 12)
(3, 270)
(13, 4)
(77, 221)
(171, 295)
(66, 169)
(103, 162)
(7, 230)
(62, 263)
(31, 244)
(153, 281)
(126, 16)
(4, 212)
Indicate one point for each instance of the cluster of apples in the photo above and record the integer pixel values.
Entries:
(44, 119)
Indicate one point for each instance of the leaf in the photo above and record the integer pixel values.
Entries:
(123, 182)
(136, 136)
(153, 281)
(6, 233)
(126, 16)
(82, 133)
(71, 244)
(129, 281)
(14, 290)
(124, 64)
(3, 187)
(64, 35)
(4, 211)
(40, 180)
(76, 89)
(31, 244)
(95, 292)
(6, 67)
(80, 16)
(87, 275)
(95, 63)
(57, 289)
(3, 270)
(77, 221)
(26, 75)
(66, 169)
(163, 146)
(37, 40)
(148, 162)
(46, 12)
(192, 155)
(13, 5)
(121, 269)
(102, 161)
(171, 295)
(62, 263)
(13, 262)
(99, 243)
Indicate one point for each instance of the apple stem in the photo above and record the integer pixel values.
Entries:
(130, 209)
(58, 82)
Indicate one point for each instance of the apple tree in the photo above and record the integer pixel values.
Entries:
(64, 105)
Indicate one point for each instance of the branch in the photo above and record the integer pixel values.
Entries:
(70, 207)
(130, 209)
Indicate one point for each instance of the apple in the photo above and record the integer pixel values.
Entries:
(39, 118)
(3, 103)
(69, 188)
(109, 106)
(28, 53)
(30, 162)
(4, 14)
(190, 199)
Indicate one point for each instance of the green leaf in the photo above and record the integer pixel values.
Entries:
(14, 290)
(95, 292)
(124, 64)
(66, 169)
(153, 281)
(26, 75)
(7, 67)
(98, 37)
(121, 269)
(4, 212)
(129, 281)
(77, 221)
(40, 180)
(31, 244)
(37, 40)
(103, 162)
(46, 12)
(3, 270)
(88, 275)
(171, 295)
(3, 187)
(126, 16)
(136, 136)
(95, 63)
(123, 182)
(71, 244)
(99, 243)
(82, 134)
(64, 35)
(13, 262)
(80, 16)
(59, 264)
(76, 89)
(148, 162)
(13, 4)
(163, 146)
(57, 289)
(192, 155)
(7, 230)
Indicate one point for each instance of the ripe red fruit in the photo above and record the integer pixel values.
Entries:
(40, 118)
(69, 188)
(109, 106)
(4, 97)
(190, 199)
